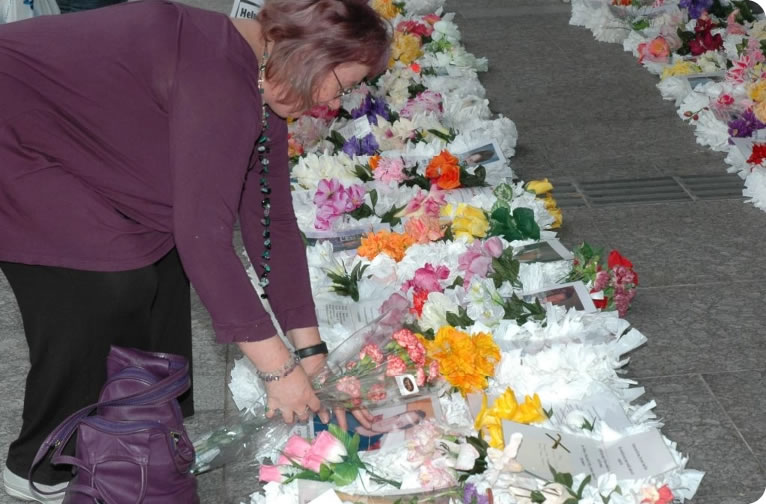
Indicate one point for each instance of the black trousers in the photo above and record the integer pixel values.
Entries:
(71, 318)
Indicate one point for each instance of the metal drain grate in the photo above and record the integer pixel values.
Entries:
(647, 190)
(713, 187)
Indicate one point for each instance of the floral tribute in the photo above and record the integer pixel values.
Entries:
(710, 56)
(422, 219)
(612, 285)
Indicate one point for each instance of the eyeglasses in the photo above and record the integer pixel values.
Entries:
(343, 91)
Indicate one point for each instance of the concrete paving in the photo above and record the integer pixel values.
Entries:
(586, 111)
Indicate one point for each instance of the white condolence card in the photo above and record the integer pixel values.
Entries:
(634, 456)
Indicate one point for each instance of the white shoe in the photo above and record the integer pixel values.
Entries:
(19, 487)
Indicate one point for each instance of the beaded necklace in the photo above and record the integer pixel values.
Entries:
(262, 149)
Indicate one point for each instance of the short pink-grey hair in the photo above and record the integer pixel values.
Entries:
(312, 37)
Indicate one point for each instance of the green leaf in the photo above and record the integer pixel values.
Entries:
(502, 224)
(374, 198)
(475, 179)
(361, 212)
(571, 500)
(461, 319)
(336, 139)
(641, 24)
(582, 486)
(525, 223)
(354, 445)
(586, 425)
(564, 478)
(447, 137)
(416, 89)
(537, 496)
(548, 412)
(342, 436)
(390, 216)
(344, 473)
(363, 173)
(458, 282)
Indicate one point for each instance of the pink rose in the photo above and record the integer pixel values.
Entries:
(326, 449)
(431, 18)
(295, 449)
(433, 371)
(349, 385)
(395, 366)
(415, 28)
(656, 50)
(377, 392)
(420, 377)
(372, 351)
(269, 473)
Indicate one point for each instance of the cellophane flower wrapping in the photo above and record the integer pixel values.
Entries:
(373, 368)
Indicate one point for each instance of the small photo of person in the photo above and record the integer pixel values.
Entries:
(481, 155)
(389, 425)
(537, 252)
(562, 296)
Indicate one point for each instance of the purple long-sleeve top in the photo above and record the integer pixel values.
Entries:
(128, 130)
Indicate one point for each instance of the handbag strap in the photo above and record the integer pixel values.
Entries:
(164, 390)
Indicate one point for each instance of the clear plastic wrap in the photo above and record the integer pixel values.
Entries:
(374, 367)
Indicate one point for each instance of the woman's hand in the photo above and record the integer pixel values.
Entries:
(313, 366)
(294, 398)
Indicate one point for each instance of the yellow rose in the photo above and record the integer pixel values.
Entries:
(757, 91)
(405, 48)
(469, 221)
(539, 186)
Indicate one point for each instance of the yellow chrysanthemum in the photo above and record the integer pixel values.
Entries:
(385, 8)
(465, 361)
(759, 109)
(405, 48)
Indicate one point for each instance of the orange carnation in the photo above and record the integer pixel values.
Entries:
(373, 162)
(392, 244)
(444, 170)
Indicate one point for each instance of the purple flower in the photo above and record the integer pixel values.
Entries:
(745, 125)
(356, 147)
(696, 7)
(472, 496)
(372, 108)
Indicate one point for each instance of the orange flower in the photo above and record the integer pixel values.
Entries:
(444, 170)
(373, 162)
(465, 361)
(392, 244)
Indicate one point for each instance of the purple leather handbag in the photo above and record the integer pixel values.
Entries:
(134, 449)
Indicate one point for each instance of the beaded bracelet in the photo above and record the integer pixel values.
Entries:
(277, 375)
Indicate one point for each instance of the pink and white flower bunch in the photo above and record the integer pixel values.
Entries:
(333, 200)
(300, 454)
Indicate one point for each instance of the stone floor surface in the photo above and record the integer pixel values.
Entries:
(585, 111)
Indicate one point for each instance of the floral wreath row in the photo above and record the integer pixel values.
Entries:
(436, 239)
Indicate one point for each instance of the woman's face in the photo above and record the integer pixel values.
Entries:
(327, 93)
